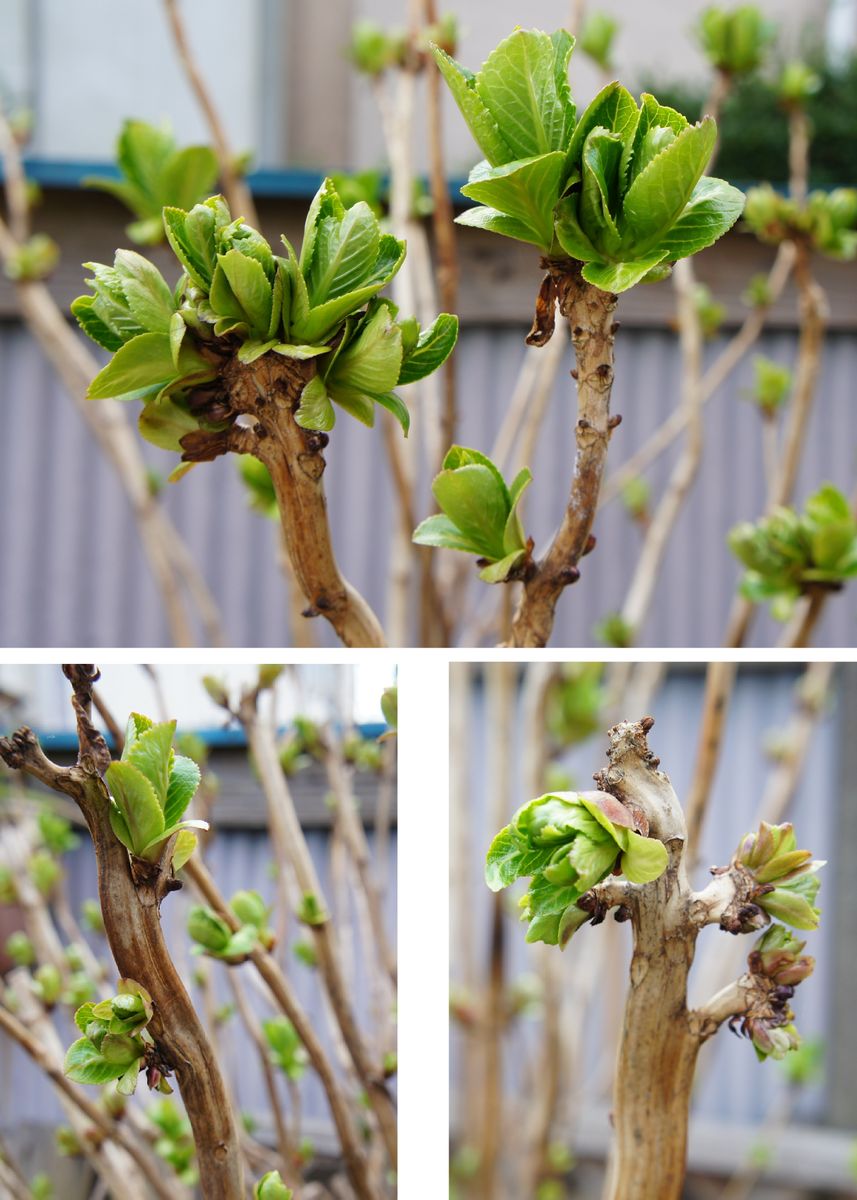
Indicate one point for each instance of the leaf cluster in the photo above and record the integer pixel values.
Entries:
(787, 877)
(374, 50)
(479, 514)
(574, 703)
(776, 967)
(174, 1142)
(735, 40)
(236, 296)
(567, 844)
(827, 222)
(216, 938)
(619, 188)
(772, 382)
(597, 37)
(287, 1051)
(33, 260)
(753, 123)
(150, 789)
(115, 1040)
(271, 1187)
(786, 553)
(155, 173)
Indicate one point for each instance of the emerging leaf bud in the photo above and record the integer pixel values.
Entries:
(208, 929)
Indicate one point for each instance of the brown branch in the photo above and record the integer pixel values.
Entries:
(131, 910)
(269, 391)
(589, 312)
(291, 846)
(98, 1118)
(237, 193)
(281, 990)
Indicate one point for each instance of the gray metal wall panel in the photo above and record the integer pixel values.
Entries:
(237, 860)
(66, 582)
(734, 1086)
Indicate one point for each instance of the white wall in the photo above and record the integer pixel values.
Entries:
(321, 692)
(84, 66)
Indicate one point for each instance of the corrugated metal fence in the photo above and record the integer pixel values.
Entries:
(237, 859)
(72, 573)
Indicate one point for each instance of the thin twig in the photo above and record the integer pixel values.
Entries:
(663, 521)
(444, 229)
(237, 193)
(281, 990)
(291, 846)
(814, 313)
(501, 701)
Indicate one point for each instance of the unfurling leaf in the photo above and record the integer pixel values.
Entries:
(566, 843)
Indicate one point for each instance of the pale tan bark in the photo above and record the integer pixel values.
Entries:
(661, 1036)
(500, 680)
(290, 844)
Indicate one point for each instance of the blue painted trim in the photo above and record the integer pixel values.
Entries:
(63, 741)
(288, 182)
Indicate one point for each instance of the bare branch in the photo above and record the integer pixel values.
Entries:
(281, 990)
(589, 312)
